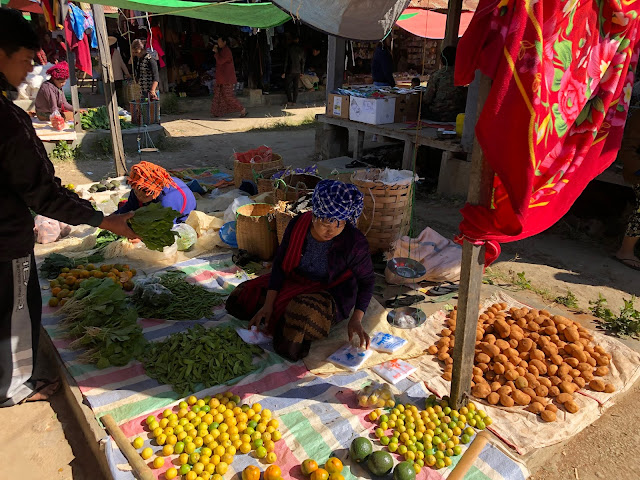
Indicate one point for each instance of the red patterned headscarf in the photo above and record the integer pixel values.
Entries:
(60, 71)
(150, 178)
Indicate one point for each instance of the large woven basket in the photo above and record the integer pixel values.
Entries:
(131, 91)
(263, 179)
(293, 186)
(256, 230)
(246, 171)
(387, 210)
(282, 222)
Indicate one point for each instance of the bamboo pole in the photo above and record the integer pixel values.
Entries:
(109, 90)
(140, 469)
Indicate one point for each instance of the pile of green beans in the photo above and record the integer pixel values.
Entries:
(199, 358)
(191, 302)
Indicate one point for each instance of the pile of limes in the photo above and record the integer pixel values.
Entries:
(431, 436)
(207, 433)
(64, 286)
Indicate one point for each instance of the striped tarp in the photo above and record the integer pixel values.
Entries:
(125, 392)
(319, 418)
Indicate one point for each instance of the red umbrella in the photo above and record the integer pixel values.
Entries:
(429, 24)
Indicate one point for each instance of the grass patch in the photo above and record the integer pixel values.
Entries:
(309, 121)
(518, 281)
(624, 324)
(569, 300)
(63, 152)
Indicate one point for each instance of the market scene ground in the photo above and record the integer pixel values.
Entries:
(263, 252)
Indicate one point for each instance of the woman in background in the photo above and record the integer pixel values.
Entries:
(120, 70)
(224, 99)
(50, 96)
(145, 70)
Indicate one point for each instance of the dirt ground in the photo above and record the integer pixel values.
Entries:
(41, 440)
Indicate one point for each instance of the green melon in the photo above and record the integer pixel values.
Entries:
(404, 471)
(360, 449)
(380, 463)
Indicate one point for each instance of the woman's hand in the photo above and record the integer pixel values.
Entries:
(153, 95)
(265, 314)
(355, 328)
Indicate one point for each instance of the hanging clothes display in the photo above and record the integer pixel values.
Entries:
(79, 47)
(562, 76)
(47, 12)
(82, 21)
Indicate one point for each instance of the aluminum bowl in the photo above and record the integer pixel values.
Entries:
(406, 267)
(418, 315)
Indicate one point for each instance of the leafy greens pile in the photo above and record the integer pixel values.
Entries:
(199, 357)
(98, 119)
(54, 263)
(625, 324)
(153, 223)
(100, 320)
(187, 301)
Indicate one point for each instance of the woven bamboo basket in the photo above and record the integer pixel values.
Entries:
(387, 210)
(256, 230)
(282, 221)
(131, 91)
(291, 187)
(263, 179)
(245, 171)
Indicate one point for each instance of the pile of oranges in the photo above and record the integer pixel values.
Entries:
(70, 280)
(207, 433)
(332, 469)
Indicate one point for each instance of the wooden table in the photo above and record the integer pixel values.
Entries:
(427, 136)
(47, 133)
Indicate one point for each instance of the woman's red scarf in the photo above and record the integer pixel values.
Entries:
(294, 284)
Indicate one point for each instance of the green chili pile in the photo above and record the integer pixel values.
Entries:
(199, 358)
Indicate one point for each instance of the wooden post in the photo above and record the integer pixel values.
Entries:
(73, 80)
(480, 183)
(358, 147)
(109, 90)
(335, 63)
(453, 23)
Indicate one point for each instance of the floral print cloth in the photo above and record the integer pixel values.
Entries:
(562, 74)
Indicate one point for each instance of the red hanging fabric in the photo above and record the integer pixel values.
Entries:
(562, 74)
(79, 47)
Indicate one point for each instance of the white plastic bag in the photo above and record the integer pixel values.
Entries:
(385, 342)
(187, 236)
(394, 370)
(440, 256)
(230, 212)
(48, 230)
(350, 357)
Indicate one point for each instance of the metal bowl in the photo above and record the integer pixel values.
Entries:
(418, 315)
(406, 267)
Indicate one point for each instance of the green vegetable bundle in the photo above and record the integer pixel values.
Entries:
(101, 321)
(153, 223)
(199, 357)
(189, 302)
(98, 119)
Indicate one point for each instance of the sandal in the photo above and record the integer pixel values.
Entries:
(242, 115)
(443, 289)
(629, 262)
(52, 385)
(403, 301)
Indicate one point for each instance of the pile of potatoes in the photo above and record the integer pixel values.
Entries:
(530, 358)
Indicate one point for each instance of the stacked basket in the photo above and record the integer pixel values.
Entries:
(291, 187)
(256, 230)
(248, 170)
(387, 209)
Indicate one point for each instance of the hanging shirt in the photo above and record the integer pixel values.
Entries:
(79, 47)
(153, 42)
(82, 21)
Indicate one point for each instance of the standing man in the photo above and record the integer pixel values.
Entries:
(293, 69)
(29, 184)
(316, 66)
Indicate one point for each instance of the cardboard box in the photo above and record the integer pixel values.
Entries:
(407, 107)
(375, 111)
(338, 106)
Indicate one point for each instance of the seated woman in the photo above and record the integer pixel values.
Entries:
(443, 100)
(50, 96)
(321, 272)
(152, 183)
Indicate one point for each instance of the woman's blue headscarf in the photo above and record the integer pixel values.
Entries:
(337, 201)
